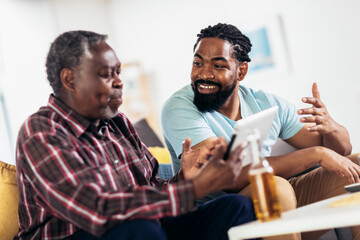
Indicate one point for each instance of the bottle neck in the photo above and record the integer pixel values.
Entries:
(254, 148)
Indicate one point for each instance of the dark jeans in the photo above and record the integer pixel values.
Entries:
(210, 221)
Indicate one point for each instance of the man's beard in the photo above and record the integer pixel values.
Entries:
(211, 102)
(107, 113)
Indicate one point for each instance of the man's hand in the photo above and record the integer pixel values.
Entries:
(321, 119)
(218, 174)
(333, 135)
(340, 165)
(193, 159)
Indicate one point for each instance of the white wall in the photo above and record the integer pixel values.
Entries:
(27, 28)
(321, 38)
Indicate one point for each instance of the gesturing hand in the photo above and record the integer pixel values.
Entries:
(321, 119)
(193, 159)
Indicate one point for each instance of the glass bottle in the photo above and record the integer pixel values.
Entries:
(263, 185)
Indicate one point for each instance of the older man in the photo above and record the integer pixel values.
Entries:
(210, 106)
(83, 172)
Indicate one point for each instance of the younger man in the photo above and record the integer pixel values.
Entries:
(210, 106)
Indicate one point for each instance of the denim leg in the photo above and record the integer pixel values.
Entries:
(211, 220)
(139, 229)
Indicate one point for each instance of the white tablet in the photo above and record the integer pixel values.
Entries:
(261, 120)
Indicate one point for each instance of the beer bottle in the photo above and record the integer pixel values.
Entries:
(263, 185)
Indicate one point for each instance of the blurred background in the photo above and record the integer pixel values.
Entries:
(297, 43)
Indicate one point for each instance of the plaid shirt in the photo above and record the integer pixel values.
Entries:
(73, 176)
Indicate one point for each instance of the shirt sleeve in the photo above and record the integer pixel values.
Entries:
(288, 117)
(74, 191)
(180, 119)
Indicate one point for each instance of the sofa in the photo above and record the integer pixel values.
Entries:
(9, 193)
(8, 201)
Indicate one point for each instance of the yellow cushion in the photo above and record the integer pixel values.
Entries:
(161, 154)
(8, 201)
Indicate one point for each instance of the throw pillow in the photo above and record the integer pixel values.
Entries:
(164, 159)
(8, 202)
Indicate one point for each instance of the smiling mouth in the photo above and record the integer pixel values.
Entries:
(207, 88)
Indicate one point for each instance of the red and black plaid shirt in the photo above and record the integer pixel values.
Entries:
(73, 176)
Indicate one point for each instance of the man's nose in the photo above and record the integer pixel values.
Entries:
(206, 73)
(117, 83)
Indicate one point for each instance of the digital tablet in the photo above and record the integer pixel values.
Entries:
(355, 187)
(261, 121)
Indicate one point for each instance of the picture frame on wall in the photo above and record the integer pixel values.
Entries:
(269, 54)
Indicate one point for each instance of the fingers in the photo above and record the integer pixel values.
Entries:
(315, 91)
(354, 171)
(237, 168)
(218, 152)
(355, 175)
(350, 177)
(186, 145)
(357, 170)
(222, 141)
(311, 110)
(314, 101)
(312, 119)
(343, 167)
(238, 153)
(211, 145)
(315, 128)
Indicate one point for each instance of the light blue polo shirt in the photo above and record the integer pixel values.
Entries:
(181, 119)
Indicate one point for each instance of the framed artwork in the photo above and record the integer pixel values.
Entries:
(269, 55)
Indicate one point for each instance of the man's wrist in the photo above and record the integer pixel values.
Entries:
(320, 152)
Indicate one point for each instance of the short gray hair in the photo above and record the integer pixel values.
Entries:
(67, 51)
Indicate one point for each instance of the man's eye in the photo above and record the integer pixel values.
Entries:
(106, 75)
(196, 63)
(218, 66)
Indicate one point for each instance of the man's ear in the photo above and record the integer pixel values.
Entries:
(243, 68)
(67, 79)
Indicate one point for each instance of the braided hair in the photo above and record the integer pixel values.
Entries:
(241, 43)
(67, 51)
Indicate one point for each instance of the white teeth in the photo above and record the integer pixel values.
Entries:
(207, 86)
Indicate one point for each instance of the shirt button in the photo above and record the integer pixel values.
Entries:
(116, 161)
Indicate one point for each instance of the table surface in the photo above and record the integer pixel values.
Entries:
(315, 216)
